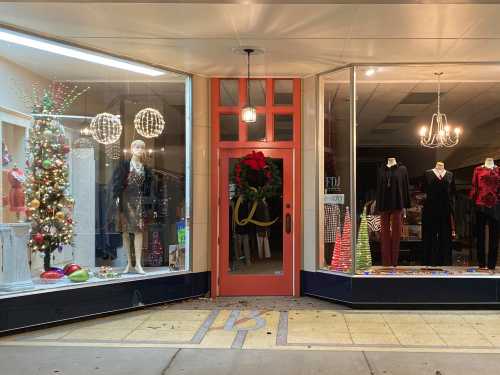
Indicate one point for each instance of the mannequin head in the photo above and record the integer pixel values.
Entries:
(138, 149)
(489, 163)
(440, 166)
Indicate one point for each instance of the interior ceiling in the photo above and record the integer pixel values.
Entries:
(395, 102)
(298, 39)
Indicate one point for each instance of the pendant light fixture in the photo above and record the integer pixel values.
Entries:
(439, 133)
(248, 113)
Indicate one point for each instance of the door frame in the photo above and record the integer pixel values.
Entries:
(217, 148)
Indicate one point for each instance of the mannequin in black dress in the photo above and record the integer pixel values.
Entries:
(437, 216)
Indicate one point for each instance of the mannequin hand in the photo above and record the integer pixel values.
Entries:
(453, 234)
(117, 201)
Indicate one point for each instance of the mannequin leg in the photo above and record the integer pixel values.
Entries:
(267, 249)
(126, 245)
(138, 238)
(396, 220)
(493, 242)
(259, 245)
(246, 249)
(481, 246)
(385, 238)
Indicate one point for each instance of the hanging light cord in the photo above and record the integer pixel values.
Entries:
(248, 77)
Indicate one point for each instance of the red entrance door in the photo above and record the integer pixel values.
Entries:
(248, 259)
(256, 257)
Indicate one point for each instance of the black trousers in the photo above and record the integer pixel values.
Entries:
(436, 238)
(482, 221)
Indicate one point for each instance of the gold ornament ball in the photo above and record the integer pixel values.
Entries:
(60, 215)
(35, 203)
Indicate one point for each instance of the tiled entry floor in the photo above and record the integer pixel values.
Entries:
(207, 325)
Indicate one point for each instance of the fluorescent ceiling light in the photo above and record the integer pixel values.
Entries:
(76, 53)
(370, 72)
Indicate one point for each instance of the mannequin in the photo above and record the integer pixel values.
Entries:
(485, 193)
(393, 197)
(437, 216)
(16, 179)
(132, 186)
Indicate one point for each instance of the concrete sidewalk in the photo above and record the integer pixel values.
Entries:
(261, 336)
(134, 361)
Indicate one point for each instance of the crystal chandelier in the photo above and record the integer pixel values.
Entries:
(439, 133)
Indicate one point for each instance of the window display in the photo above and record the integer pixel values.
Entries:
(94, 172)
(423, 209)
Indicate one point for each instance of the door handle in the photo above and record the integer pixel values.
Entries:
(288, 223)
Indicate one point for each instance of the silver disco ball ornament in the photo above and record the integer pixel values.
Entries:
(106, 128)
(149, 123)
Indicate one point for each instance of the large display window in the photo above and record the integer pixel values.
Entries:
(423, 146)
(95, 175)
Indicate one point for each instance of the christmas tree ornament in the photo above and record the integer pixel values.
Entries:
(106, 128)
(39, 238)
(47, 133)
(60, 216)
(363, 252)
(70, 268)
(58, 270)
(51, 275)
(35, 203)
(46, 164)
(149, 123)
(66, 149)
(79, 276)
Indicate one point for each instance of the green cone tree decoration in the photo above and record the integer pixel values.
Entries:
(363, 252)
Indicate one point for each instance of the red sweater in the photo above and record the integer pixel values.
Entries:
(486, 186)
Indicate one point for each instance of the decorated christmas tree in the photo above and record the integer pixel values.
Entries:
(47, 200)
(363, 252)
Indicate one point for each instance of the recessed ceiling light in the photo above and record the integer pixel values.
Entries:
(370, 72)
(76, 53)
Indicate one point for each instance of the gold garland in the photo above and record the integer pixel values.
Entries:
(249, 219)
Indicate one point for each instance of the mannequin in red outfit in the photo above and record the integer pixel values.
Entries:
(16, 178)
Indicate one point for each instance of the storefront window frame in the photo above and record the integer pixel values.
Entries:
(352, 68)
(189, 191)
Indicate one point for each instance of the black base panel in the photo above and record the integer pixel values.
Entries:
(55, 306)
(403, 293)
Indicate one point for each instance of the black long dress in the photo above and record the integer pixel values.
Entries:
(437, 217)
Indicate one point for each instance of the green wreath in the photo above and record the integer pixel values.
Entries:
(256, 177)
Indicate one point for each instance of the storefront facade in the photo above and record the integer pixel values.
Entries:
(402, 221)
(160, 220)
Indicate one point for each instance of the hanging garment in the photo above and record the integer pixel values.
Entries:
(393, 188)
(486, 186)
(332, 221)
(390, 236)
(487, 218)
(437, 218)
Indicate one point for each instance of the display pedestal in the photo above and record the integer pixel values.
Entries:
(15, 274)
(83, 191)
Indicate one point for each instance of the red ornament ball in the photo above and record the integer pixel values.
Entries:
(51, 275)
(70, 268)
(39, 237)
(66, 149)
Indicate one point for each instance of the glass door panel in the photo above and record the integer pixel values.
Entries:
(255, 229)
